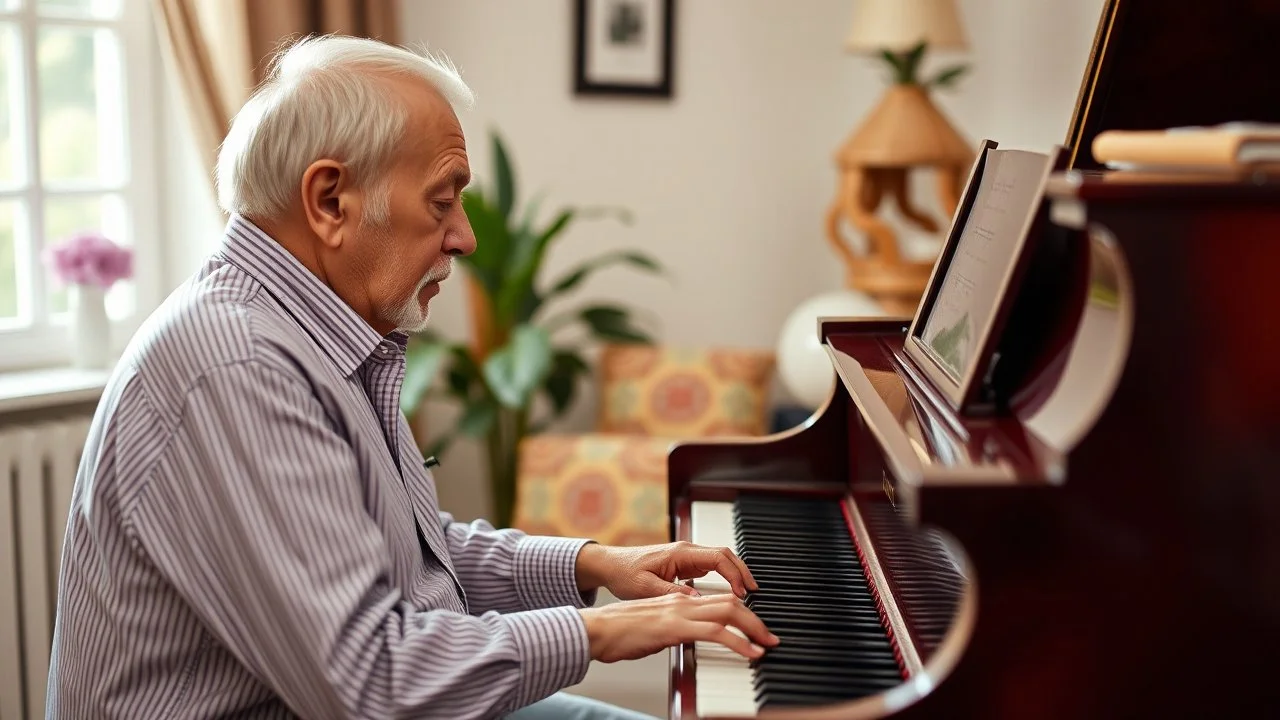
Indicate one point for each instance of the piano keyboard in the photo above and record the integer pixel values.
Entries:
(813, 595)
(926, 577)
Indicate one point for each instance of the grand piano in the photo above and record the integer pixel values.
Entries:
(1072, 508)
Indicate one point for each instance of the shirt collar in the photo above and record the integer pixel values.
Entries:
(340, 333)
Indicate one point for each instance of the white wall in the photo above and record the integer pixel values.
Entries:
(729, 181)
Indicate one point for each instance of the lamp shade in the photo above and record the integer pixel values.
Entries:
(899, 25)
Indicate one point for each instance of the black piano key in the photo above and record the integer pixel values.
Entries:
(850, 688)
(814, 596)
(801, 633)
(814, 692)
(799, 643)
(925, 582)
(778, 698)
(885, 676)
(787, 652)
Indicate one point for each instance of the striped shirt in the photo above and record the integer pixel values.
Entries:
(253, 533)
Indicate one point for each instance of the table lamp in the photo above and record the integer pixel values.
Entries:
(905, 131)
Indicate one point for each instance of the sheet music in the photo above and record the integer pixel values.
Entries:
(984, 253)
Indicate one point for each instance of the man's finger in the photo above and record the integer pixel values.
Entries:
(713, 632)
(729, 570)
(654, 586)
(731, 611)
(750, 580)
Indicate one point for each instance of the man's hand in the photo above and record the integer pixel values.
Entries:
(639, 628)
(641, 572)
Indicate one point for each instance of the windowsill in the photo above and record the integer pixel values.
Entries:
(30, 389)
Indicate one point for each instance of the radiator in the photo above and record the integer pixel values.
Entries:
(37, 471)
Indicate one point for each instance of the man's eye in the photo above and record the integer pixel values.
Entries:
(443, 205)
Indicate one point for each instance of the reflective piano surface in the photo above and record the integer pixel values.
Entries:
(1102, 543)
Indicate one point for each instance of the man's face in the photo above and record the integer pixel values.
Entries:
(406, 256)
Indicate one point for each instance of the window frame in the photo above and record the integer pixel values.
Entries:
(44, 343)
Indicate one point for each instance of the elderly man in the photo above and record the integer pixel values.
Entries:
(253, 532)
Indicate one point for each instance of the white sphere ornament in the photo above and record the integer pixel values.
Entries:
(803, 364)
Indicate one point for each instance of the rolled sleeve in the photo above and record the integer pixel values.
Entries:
(545, 572)
(553, 648)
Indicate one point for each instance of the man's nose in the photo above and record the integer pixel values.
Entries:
(461, 241)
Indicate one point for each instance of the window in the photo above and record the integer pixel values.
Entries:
(76, 155)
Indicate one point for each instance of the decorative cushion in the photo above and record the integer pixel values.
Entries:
(684, 393)
(610, 488)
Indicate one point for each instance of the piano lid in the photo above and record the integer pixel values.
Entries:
(1157, 64)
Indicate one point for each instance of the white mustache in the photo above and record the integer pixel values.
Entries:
(437, 274)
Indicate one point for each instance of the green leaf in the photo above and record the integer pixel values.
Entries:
(478, 417)
(562, 381)
(574, 277)
(519, 299)
(911, 63)
(463, 372)
(517, 291)
(531, 211)
(613, 324)
(493, 241)
(516, 369)
(905, 64)
(948, 77)
(421, 363)
(895, 62)
(505, 178)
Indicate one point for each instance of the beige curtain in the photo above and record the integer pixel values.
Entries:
(220, 49)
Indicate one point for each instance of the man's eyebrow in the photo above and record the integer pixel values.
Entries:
(459, 179)
(456, 180)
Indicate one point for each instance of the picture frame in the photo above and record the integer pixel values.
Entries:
(624, 47)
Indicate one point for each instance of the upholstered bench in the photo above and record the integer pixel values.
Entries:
(611, 484)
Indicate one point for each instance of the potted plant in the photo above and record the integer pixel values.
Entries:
(518, 352)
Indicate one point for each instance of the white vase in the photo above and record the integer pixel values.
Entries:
(90, 327)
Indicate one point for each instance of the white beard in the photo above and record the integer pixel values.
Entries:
(411, 316)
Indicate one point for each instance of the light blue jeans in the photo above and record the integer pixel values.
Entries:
(563, 706)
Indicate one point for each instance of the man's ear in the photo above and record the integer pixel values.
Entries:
(326, 202)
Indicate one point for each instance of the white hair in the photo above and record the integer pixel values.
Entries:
(325, 97)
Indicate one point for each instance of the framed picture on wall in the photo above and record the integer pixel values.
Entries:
(623, 47)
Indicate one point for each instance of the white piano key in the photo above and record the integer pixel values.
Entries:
(724, 679)
(712, 524)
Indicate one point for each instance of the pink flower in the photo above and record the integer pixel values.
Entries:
(90, 258)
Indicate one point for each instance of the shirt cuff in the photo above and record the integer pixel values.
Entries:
(554, 651)
(545, 569)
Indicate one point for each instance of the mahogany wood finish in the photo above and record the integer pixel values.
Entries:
(1144, 584)
(1119, 506)
(1170, 63)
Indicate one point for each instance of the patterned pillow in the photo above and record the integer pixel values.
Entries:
(610, 488)
(684, 393)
